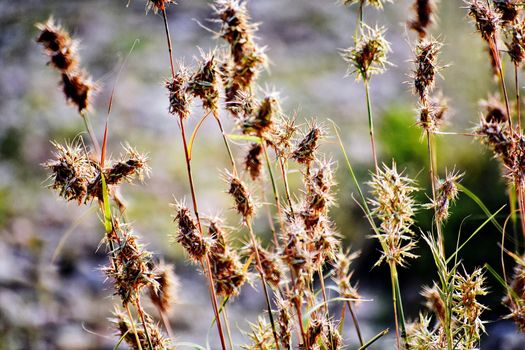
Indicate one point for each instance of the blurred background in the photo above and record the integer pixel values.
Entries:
(52, 292)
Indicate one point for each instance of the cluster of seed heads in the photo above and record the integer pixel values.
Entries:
(77, 176)
(62, 52)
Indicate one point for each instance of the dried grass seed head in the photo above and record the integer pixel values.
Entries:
(188, 234)
(204, 83)
(243, 200)
(486, 19)
(131, 268)
(271, 265)
(227, 269)
(253, 161)
(508, 9)
(284, 129)
(305, 150)
(130, 332)
(515, 41)
(163, 294)
(447, 193)
(260, 122)
(71, 171)
(424, 75)
(179, 99)
(432, 112)
(369, 55)
(78, 88)
(261, 336)
(424, 16)
(494, 109)
(467, 309)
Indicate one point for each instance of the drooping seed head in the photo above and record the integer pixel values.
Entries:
(270, 263)
(369, 55)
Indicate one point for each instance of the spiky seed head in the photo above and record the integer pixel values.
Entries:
(515, 41)
(78, 88)
(508, 9)
(394, 206)
(253, 161)
(284, 128)
(127, 330)
(424, 16)
(467, 289)
(260, 122)
(284, 319)
(304, 151)
(426, 69)
(71, 171)
(131, 267)
(486, 19)
(369, 55)
(342, 274)
(227, 269)
(53, 36)
(243, 200)
(261, 336)
(270, 263)
(447, 193)
(188, 234)
(432, 113)
(180, 100)
(204, 84)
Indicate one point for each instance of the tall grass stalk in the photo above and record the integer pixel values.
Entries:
(206, 265)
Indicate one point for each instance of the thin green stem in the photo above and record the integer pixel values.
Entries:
(371, 123)
(226, 143)
(275, 191)
(518, 101)
(393, 280)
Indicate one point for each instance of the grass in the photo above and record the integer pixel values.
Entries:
(306, 258)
